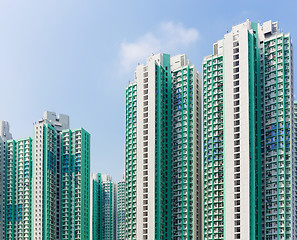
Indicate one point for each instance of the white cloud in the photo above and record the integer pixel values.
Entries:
(177, 35)
(169, 37)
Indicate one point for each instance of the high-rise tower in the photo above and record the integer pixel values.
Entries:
(108, 208)
(18, 189)
(249, 165)
(46, 210)
(96, 205)
(4, 136)
(162, 166)
(103, 207)
(75, 184)
(45, 182)
(121, 209)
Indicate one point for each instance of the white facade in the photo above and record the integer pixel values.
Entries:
(93, 177)
(154, 202)
(40, 200)
(4, 131)
(236, 136)
(59, 122)
(257, 81)
(145, 77)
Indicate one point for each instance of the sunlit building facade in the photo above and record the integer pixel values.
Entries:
(162, 168)
(249, 175)
(18, 189)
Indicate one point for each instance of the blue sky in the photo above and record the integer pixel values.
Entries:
(77, 57)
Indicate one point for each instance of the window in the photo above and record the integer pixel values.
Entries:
(236, 44)
(236, 76)
(236, 57)
(236, 162)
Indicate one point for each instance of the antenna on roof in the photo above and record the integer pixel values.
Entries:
(227, 30)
